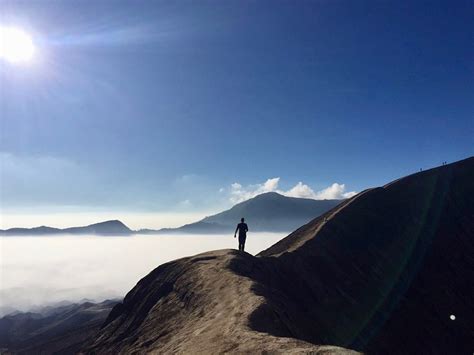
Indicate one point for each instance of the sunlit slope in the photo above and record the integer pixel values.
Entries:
(381, 273)
(193, 305)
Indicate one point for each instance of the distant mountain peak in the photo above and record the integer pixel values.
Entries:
(267, 212)
(111, 227)
(270, 193)
(111, 222)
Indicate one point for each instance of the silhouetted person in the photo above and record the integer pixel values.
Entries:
(243, 229)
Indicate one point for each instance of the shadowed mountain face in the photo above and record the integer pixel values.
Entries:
(104, 228)
(52, 329)
(382, 272)
(268, 212)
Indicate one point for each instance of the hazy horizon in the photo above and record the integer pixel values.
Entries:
(143, 219)
(135, 221)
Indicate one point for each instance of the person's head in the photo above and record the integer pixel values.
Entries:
(242, 219)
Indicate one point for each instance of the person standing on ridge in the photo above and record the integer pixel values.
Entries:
(243, 229)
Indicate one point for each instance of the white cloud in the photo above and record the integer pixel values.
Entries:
(271, 184)
(239, 193)
(301, 190)
(334, 191)
(236, 186)
(39, 271)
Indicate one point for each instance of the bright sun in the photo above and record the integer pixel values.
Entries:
(15, 45)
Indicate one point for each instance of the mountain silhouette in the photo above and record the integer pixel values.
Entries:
(113, 227)
(268, 212)
(388, 271)
(58, 330)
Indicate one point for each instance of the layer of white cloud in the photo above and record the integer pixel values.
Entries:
(41, 271)
(239, 193)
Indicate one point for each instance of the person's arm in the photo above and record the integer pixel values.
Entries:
(236, 229)
(246, 228)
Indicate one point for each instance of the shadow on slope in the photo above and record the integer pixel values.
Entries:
(194, 305)
(383, 274)
(58, 330)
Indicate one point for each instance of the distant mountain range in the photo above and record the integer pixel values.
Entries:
(268, 212)
(104, 228)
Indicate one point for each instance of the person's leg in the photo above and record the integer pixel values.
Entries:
(242, 241)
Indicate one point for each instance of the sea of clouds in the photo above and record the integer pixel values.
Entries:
(39, 271)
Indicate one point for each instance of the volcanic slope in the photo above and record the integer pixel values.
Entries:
(381, 273)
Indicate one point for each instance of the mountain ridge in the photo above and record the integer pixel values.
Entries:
(365, 275)
(52, 329)
(110, 227)
(267, 212)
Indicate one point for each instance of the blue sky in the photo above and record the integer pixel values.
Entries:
(146, 107)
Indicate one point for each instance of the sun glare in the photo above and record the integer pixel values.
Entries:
(15, 45)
